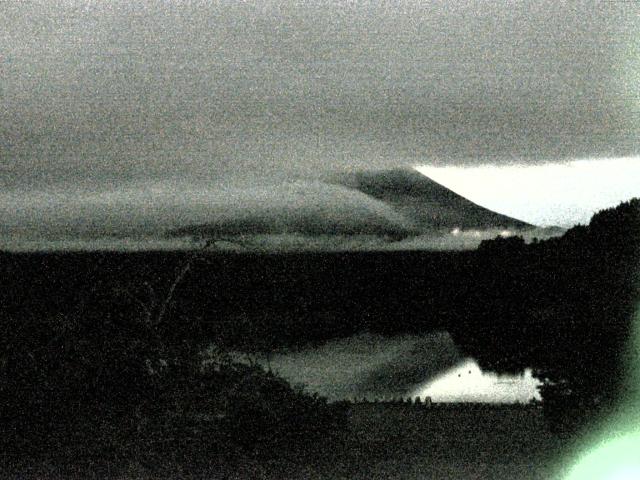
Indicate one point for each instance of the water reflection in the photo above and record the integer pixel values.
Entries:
(466, 382)
(367, 365)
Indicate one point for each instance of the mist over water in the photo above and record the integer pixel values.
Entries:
(367, 365)
(377, 367)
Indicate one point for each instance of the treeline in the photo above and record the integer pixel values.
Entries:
(563, 306)
(277, 300)
(426, 404)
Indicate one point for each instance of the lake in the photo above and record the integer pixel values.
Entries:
(377, 367)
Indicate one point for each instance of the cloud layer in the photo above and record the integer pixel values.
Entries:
(310, 208)
(96, 94)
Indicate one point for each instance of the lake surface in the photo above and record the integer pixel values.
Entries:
(466, 382)
(377, 367)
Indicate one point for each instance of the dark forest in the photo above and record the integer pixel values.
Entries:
(107, 347)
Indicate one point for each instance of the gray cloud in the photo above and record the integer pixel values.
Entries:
(94, 94)
(311, 208)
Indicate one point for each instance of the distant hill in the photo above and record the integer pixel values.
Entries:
(425, 202)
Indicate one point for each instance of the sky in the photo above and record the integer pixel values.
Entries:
(553, 194)
(154, 96)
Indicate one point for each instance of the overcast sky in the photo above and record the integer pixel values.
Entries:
(105, 94)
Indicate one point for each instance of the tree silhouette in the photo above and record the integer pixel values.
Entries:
(563, 306)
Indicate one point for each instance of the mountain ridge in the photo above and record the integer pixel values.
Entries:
(425, 201)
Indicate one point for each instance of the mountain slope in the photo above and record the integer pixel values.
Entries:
(427, 203)
(391, 204)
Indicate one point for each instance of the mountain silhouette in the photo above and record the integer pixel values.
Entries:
(425, 202)
(394, 204)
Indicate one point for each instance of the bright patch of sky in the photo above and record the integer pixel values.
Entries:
(562, 194)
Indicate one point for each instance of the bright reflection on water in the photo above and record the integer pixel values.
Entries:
(468, 383)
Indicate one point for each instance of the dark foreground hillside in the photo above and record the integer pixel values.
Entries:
(380, 441)
(102, 368)
(291, 298)
(446, 442)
